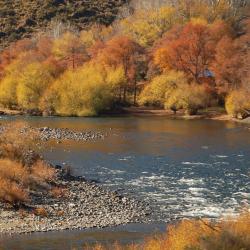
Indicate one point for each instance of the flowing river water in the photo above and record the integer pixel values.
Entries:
(197, 168)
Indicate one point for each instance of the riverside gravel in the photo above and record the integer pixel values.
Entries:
(86, 205)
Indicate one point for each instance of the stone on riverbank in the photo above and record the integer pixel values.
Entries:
(86, 205)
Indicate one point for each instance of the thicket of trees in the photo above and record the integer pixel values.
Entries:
(181, 54)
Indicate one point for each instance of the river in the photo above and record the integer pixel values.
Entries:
(197, 168)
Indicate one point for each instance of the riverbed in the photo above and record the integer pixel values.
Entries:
(197, 168)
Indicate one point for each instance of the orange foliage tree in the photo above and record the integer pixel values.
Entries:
(123, 52)
(191, 51)
(232, 61)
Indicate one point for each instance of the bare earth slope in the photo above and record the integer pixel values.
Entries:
(20, 18)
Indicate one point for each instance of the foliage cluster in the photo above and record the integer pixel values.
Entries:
(188, 56)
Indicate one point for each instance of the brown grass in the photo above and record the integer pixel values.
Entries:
(229, 234)
(18, 142)
(40, 211)
(21, 169)
(58, 192)
(13, 171)
(43, 172)
(12, 193)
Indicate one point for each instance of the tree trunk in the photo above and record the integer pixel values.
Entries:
(124, 94)
(135, 93)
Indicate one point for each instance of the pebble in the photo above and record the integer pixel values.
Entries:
(87, 205)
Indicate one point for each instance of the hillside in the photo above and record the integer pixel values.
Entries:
(20, 18)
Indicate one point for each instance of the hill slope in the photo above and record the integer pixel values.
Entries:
(20, 18)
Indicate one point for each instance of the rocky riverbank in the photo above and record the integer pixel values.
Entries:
(58, 134)
(84, 205)
(61, 134)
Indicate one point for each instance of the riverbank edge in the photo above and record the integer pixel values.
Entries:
(213, 114)
(87, 205)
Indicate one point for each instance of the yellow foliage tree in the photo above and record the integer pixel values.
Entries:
(32, 83)
(8, 91)
(86, 91)
(190, 97)
(148, 26)
(8, 84)
(70, 49)
(238, 103)
(161, 87)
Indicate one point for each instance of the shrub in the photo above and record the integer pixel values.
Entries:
(8, 92)
(238, 103)
(40, 211)
(32, 83)
(84, 92)
(12, 193)
(21, 169)
(58, 192)
(41, 172)
(18, 142)
(13, 171)
(190, 97)
(230, 233)
(160, 88)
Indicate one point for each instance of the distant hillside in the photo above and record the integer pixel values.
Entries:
(20, 18)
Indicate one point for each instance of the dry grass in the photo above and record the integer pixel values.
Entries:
(21, 169)
(40, 211)
(41, 172)
(13, 171)
(12, 193)
(18, 143)
(58, 192)
(229, 234)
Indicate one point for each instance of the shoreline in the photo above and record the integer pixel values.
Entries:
(148, 112)
(87, 205)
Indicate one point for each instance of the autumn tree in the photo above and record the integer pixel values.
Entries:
(70, 50)
(161, 87)
(192, 51)
(14, 51)
(32, 83)
(232, 60)
(238, 103)
(123, 52)
(188, 97)
(146, 26)
(227, 65)
(86, 91)
(8, 97)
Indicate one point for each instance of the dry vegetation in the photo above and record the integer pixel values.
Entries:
(229, 234)
(22, 171)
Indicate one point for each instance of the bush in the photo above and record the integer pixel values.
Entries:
(191, 98)
(12, 193)
(21, 169)
(238, 103)
(41, 172)
(32, 83)
(8, 92)
(84, 92)
(228, 234)
(40, 211)
(18, 143)
(160, 88)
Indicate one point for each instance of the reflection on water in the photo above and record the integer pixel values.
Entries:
(69, 240)
(182, 168)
